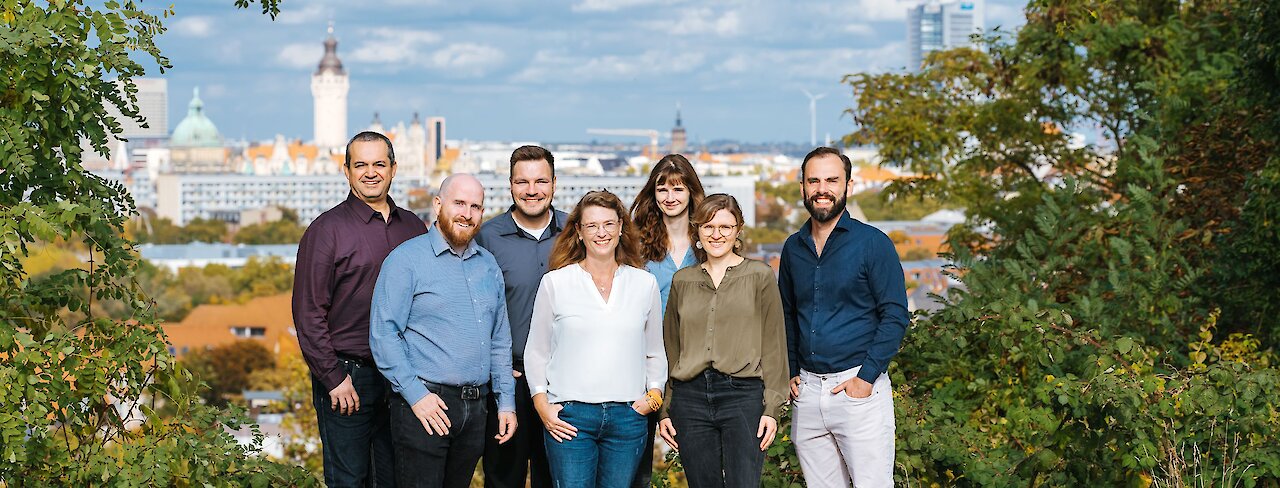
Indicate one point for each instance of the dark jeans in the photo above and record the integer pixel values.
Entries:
(505, 465)
(716, 417)
(644, 471)
(435, 461)
(356, 448)
(606, 450)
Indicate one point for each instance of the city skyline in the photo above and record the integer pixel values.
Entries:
(546, 72)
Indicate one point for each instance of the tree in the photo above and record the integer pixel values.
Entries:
(275, 232)
(84, 396)
(1087, 328)
(226, 369)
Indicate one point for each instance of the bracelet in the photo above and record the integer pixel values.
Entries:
(654, 399)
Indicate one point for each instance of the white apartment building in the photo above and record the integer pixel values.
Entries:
(183, 197)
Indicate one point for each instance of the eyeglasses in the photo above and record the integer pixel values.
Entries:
(710, 230)
(609, 226)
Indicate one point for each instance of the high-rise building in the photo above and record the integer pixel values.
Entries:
(153, 104)
(329, 87)
(435, 142)
(679, 139)
(937, 25)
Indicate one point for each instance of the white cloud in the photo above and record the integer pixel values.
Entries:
(194, 26)
(555, 65)
(878, 10)
(738, 63)
(695, 21)
(467, 59)
(300, 54)
(392, 46)
(614, 5)
(816, 64)
(312, 13)
(860, 29)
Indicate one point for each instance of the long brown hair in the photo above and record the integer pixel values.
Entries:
(671, 169)
(569, 249)
(707, 211)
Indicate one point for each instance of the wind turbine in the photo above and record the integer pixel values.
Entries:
(813, 116)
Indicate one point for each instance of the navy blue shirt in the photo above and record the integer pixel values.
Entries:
(523, 259)
(846, 308)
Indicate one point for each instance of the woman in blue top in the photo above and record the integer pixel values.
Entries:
(661, 215)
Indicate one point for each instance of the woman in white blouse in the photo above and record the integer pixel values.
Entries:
(595, 360)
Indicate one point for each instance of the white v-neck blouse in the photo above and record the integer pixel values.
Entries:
(582, 348)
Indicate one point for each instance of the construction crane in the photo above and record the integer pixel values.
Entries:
(650, 133)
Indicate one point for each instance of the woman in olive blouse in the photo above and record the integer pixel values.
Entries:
(727, 350)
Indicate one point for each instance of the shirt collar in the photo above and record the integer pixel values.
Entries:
(507, 222)
(439, 246)
(366, 213)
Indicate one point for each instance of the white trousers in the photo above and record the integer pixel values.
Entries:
(842, 440)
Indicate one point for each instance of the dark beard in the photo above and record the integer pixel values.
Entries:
(824, 216)
(455, 238)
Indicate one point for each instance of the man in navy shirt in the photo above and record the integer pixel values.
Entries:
(845, 304)
(520, 240)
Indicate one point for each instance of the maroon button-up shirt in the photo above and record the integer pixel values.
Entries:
(338, 262)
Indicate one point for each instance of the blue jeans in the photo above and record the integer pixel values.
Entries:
(356, 448)
(606, 450)
(716, 417)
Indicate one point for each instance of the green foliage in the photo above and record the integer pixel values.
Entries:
(163, 231)
(84, 395)
(276, 232)
(877, 205)
(1081, 350)
(226, 369)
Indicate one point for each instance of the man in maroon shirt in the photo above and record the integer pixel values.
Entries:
(338, 263)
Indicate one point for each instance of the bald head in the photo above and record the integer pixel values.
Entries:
(459, 206)
(461, 182)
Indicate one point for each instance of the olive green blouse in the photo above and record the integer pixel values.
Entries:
(737, 328)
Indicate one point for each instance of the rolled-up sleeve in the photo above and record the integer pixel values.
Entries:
(312, 297)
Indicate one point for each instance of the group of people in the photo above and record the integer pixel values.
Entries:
(555, 347)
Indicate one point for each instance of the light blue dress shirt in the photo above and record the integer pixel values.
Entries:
(666, 269)
(441, 317)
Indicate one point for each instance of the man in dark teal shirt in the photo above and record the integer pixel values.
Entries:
(521, 240)
(845, 304)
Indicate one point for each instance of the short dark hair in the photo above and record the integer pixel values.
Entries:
(532, 153)
(370, 136)
(824, 151)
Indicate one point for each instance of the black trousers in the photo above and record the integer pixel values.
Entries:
(434, 461)
(356, 448)
(505, 465)
(716, 417)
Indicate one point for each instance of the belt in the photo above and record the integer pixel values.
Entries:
(356, 360)
(465, 392)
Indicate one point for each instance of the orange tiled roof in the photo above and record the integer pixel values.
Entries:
(295, 148)
(210, 325)
(876, 173)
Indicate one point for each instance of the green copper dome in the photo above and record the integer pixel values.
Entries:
(196, 130)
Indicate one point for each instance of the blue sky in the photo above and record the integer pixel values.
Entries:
(542, 70)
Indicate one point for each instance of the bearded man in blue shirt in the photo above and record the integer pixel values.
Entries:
(844, 300)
